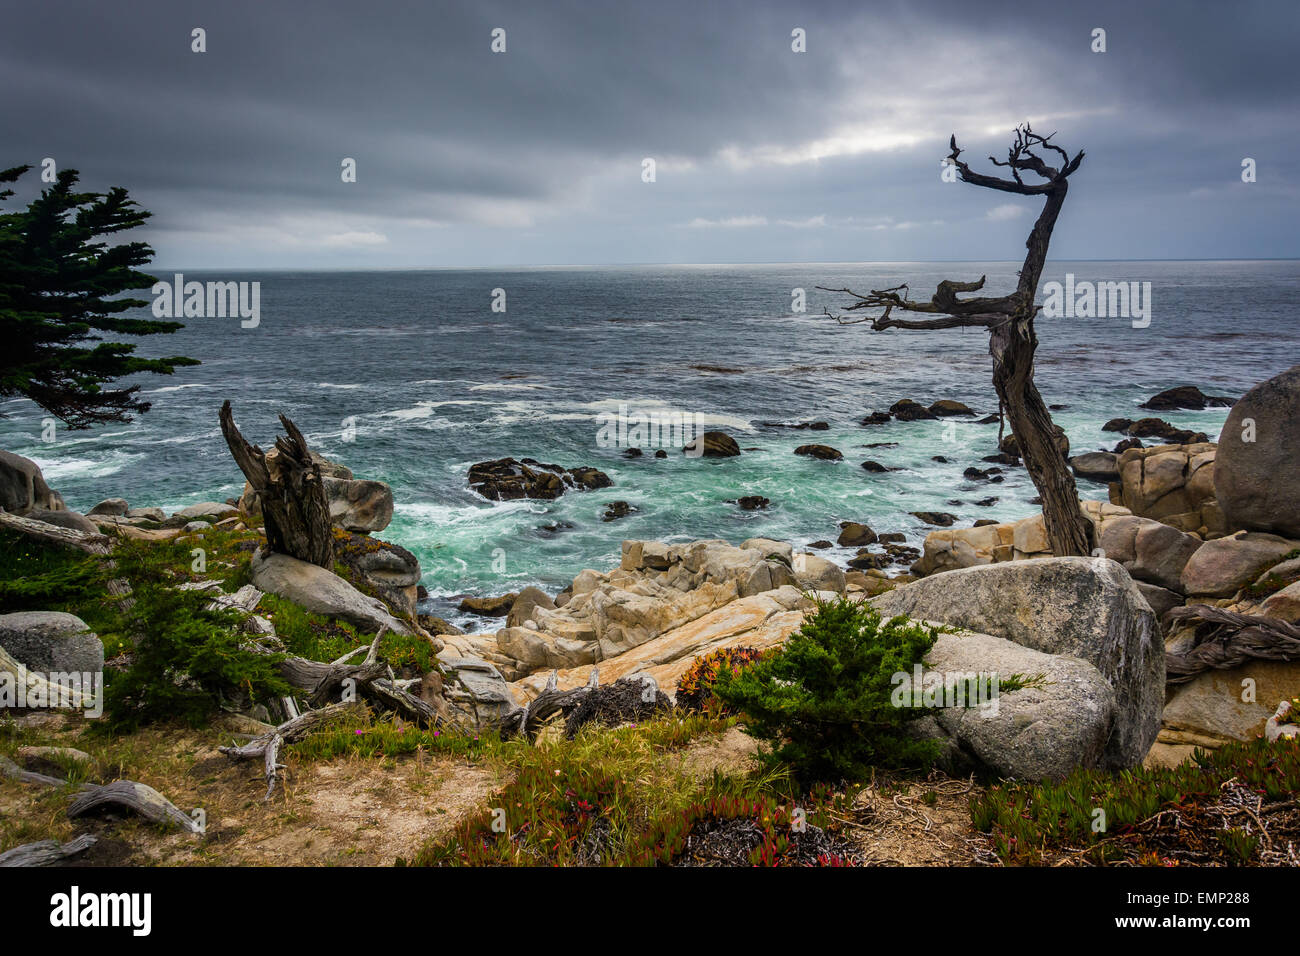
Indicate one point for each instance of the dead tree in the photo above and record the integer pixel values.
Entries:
(295, 507)
(1009, 320)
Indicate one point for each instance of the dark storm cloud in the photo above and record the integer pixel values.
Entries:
(534, 156)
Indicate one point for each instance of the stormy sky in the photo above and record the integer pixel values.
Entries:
(534, 156)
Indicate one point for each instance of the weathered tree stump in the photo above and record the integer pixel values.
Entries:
(295, 508)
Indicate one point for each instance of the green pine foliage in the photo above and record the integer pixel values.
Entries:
(183, 661)
(59, 282)
(822, 703)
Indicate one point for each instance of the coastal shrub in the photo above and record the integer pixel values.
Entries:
(695, 687)
(822, 702)
(186, 659)
(1195, 813)
(38, 577)
(320, 638)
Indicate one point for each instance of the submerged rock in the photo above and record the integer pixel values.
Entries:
(506, 479)
(824, 452)
(1184, 396)
(712, 445)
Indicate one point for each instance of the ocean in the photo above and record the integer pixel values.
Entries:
(410, 377)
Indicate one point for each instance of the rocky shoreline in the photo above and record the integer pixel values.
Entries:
(1188, 523)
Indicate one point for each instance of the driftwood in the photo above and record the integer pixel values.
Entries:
(371, 680)
(14, 772)
(139, 798)
(529, 720)
(52, 534)
(266, 747)
(1227, 639)
(46, 852)
(295, 507)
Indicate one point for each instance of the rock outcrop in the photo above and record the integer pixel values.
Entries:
(23, 487)
(1173, 484)
(506, 479)
(1087, 608)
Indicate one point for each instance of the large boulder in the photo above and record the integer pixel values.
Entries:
(1149, 550)
(1059, 722)
(814, 573)
(23, 487)
(1221, 567)
(359, 506)
(526, 603)
(1257, 473)
(1087, 608)
(321, 592)
(1096, 466)
(51, 642)
(476, 688)
(203, 511)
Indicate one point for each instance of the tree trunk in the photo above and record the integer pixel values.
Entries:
(295, 507)
(1012, 345)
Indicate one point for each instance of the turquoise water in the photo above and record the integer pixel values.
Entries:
(432, 380)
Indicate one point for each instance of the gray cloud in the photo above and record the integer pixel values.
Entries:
(467, 157)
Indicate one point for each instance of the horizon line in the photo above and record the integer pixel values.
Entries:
(687, 265)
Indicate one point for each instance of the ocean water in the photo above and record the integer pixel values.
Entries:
(433, 380)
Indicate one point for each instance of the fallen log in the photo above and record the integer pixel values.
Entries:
(1226, 639)
(46, 852)
(138, 798)
(53, 534)
(14, 772)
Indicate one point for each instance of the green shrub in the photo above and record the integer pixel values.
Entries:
(822, 703)
(187, 659)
